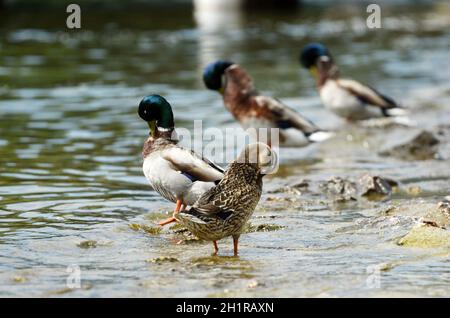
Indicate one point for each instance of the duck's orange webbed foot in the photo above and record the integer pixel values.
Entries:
(167, 221)
(172, 219)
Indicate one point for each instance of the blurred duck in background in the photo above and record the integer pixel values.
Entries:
(346, 98)
(177, 174)
(254, 110)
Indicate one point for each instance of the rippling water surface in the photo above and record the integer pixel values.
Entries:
(70, 139)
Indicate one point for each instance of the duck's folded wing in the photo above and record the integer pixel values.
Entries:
(367, 94)
(196, 215)
(283, 116)
(189, 163)
(213, 203)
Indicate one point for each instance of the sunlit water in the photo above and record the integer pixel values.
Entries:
(70, 142)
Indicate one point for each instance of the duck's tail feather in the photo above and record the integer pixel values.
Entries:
(397, 111)
(191, 215)
(404, 120)
(320, 135)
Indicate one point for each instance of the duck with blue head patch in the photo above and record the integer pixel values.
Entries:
(254, 110)
(346, 98)
(177, 174)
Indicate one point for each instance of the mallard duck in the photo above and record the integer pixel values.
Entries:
(346, 98)
(254, 110)
(224, 210)
(177, 174)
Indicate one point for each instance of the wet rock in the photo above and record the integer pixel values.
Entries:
(262, 228)
(286, 189)
(367, 186)
(340, 189)
(375, 185)
(145, 228)
(414, 190)
(302, 184)
(19, 279)
(426, 235)
(280, 199)
(254, 283)
(87, 244)
(444, 207)
(431, 223)
(162, 259)
(423, 146)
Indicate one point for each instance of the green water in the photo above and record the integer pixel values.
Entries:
(70, 142)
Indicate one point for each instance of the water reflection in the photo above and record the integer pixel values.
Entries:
(216, 21)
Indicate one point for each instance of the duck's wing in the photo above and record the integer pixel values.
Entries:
(211, 205)
(193, 166)
(283, 116)
(367, 94)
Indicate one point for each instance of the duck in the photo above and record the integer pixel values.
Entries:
(224, 210)
(254, 110)
(179, 175)
(347, 98)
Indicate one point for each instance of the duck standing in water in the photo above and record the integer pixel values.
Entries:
(224, 210)
(345, 97)
(177, 174)
(254, 110)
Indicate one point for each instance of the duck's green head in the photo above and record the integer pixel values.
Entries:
(315, 57)
(157, 112)
(213, 74)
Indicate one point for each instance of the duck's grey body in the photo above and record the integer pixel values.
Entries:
(354, 101)
(173, 171)
(346, 98)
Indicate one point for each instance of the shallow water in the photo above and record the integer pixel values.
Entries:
(70, 140)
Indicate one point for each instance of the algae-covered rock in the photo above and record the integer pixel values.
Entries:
(162, 259)
(414, 190)
(87, 244)
(426, 235)
(19, 279)
(148, 229)
(262, 228)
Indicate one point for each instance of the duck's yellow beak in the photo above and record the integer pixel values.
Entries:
(313, 71)
(152, 126)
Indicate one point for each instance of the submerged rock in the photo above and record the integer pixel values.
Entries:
(87, 244)
(422, 147)
(162, 259)
(145, 228)
(262, 228)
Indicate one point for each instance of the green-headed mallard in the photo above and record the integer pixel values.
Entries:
(345, 97)
(254, 110)
(224, 210)
(177, 174)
